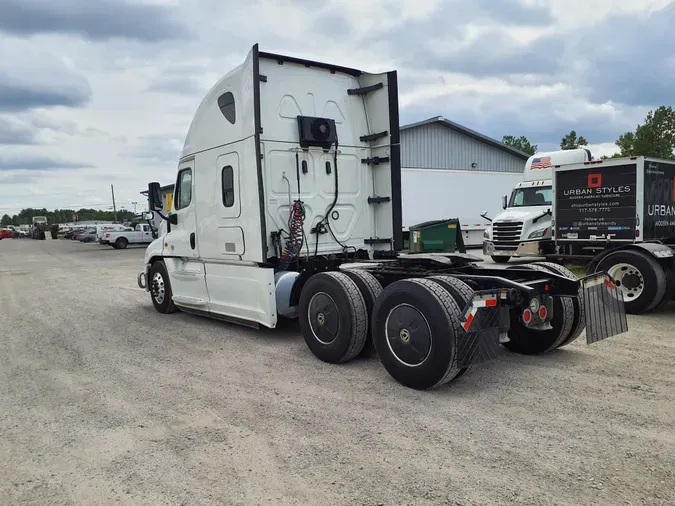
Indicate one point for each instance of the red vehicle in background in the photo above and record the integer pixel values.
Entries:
(5, 233)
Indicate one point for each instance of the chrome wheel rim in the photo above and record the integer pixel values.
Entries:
(158, 288)
(629, 279)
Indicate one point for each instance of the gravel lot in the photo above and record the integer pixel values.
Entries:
(105, 401)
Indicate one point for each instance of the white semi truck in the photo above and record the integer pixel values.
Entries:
(288, 203)
(523, 228)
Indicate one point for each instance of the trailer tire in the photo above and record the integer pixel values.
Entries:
(579, 323)
(371, 289)
(333, 317)
(462, 294)
(160, 288)
(415, 327)
(645, 270)
(500, 259)
(527, 341)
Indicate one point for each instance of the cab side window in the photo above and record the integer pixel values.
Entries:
(228, 186)
(183, 189)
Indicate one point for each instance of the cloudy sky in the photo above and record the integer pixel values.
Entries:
(94, 92)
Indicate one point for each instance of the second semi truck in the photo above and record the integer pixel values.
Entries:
(523, 228)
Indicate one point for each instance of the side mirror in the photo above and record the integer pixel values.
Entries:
(173, 219)
(155, 197)
(148, 216)
(504, 201)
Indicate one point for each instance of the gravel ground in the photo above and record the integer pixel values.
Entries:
(105, 401)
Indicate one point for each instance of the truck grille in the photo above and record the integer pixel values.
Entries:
(506, 236)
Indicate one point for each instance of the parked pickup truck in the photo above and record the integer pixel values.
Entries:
(142, 234)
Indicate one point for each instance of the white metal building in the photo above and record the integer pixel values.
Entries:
(451, 171)
(438, 143)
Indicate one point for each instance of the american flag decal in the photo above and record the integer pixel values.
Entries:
(543, 162)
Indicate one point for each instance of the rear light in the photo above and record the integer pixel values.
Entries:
(527, 316)
(633, 157)
(637, 233)
(543, 312)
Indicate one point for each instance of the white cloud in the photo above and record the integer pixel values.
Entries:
(111, 90)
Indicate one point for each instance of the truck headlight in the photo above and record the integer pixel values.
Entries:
(538, 233)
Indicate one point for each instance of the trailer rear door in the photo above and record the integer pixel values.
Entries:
(596, 202)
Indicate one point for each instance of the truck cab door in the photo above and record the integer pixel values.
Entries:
(181, 250)
(181, 239)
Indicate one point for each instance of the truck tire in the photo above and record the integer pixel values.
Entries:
(670, 290)
(371, 289)
(500, 259)
(639, 276)
(527, 341)
(333, 317)
(415, 326)
(160, 288)
(462, 294)
(579, 323)
(121, 243)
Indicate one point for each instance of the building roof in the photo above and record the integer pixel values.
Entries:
(468, 132)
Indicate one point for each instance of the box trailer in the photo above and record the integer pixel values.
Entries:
(619, 215)
(288, 203)
(438, 194)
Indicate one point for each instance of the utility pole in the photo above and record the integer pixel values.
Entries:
(113, 197)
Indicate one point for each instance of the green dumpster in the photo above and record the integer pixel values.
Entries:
(437, 236)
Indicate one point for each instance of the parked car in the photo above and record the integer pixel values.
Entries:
(87, 236)
(72, 234)
(5, 233)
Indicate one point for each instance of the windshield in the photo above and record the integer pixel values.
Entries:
(534, 196)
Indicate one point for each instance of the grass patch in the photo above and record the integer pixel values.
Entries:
(578, 270)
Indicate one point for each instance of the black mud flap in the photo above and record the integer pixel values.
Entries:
(603, 307)
(481, 322)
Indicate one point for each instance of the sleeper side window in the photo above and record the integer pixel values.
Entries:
(226, 104)
(184, 190)
(228, 186)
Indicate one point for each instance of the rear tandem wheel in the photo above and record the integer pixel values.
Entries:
(415, 329)
(371, 289)
(462, 294)
(333, 317)
(528, 341)
(579, 323)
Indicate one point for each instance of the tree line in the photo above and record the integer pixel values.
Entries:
(25, 217)
(655, 137)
